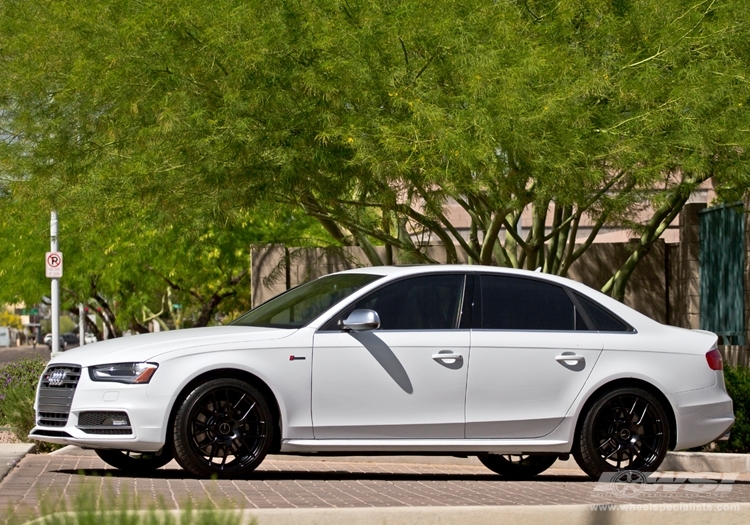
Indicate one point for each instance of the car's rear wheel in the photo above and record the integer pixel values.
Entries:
(222, 428)
(517, 466)
(135, 462)
(625, 429)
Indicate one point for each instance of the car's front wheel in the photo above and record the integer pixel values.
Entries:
(624, 429)
(135, 462)
(222, 428)
(517, 466)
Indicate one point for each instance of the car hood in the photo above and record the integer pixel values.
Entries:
(144, 347)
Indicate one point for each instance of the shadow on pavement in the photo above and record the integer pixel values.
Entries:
(325, 476)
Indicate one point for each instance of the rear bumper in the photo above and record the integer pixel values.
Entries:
(702, 416)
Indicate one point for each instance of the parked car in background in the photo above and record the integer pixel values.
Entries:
(48, 342)
(71, 338)
(516, 367)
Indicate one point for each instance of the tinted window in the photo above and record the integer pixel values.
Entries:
(431, 302)
(302, 304)
(513, 303)
(601, 318)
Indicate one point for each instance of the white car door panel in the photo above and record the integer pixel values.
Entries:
(389, 384)
(521, 384)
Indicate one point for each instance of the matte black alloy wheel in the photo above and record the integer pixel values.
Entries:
(222, 428)
(135, 462)
(517, 466)
(625, 429)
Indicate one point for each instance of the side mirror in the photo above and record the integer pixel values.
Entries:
(361, 321)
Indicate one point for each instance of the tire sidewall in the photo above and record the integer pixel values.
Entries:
(120, 460)
(585, 449)
(183, 450)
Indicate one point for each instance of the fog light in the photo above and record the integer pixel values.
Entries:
(116, 421)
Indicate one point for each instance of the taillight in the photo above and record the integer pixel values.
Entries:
(714, 360)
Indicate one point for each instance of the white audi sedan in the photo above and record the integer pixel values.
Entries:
(516, 367)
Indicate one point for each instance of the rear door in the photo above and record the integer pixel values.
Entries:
(531, 353)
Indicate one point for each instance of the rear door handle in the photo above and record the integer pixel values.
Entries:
(446, 356)
(569, 357)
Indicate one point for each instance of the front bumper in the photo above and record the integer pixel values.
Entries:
(147, 414)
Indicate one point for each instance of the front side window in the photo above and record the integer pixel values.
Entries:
(430, 302)
(516, 303)
(300, 305)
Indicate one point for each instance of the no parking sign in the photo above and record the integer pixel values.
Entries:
(54, 265)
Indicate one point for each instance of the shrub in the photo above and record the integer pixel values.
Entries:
(738, 387)
(18, 383)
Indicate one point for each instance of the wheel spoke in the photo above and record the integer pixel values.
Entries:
(248, 412)
(238, 402)
(614, 452)
(645, 410)
(632, 410)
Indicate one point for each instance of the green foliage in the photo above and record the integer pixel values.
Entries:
(168, 135)
(98, 503)
(10, 319)
(738, 387)
(18, 382)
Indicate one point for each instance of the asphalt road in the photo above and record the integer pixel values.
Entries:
(12, 354)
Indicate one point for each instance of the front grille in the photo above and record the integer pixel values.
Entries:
(56, 390)
(51, 433)
(110, 431)
(104, 423)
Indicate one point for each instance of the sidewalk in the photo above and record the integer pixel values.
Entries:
(11, 454)
(409, 490)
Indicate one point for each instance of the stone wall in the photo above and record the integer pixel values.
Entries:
(273, 267)
(747, 272)
(684, 270)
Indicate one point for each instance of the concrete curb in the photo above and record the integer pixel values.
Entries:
(11, 454)
(674, 462)
(715, 513)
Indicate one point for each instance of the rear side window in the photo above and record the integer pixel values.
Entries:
(516, 303)
(602, 319)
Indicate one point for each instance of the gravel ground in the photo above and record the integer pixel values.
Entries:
(7, 437)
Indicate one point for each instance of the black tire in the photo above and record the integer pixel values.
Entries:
(135, 462)
(223, 428)
(625, 429)
(517, 466)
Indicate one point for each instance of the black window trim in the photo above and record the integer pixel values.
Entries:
(573, 296)
(477, 317)
(325, 328)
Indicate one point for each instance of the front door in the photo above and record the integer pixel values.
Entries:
(406, 379)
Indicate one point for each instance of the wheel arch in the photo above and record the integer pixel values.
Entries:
(629, 382)
(231, 373)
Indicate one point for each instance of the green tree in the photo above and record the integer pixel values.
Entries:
(373, 116)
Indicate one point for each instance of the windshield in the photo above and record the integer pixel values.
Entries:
(300, 305)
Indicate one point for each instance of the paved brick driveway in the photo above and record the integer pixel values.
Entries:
(296, 483)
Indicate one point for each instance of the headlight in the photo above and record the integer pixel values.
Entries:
(130, 373)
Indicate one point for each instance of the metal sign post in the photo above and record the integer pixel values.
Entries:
(54, 271)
